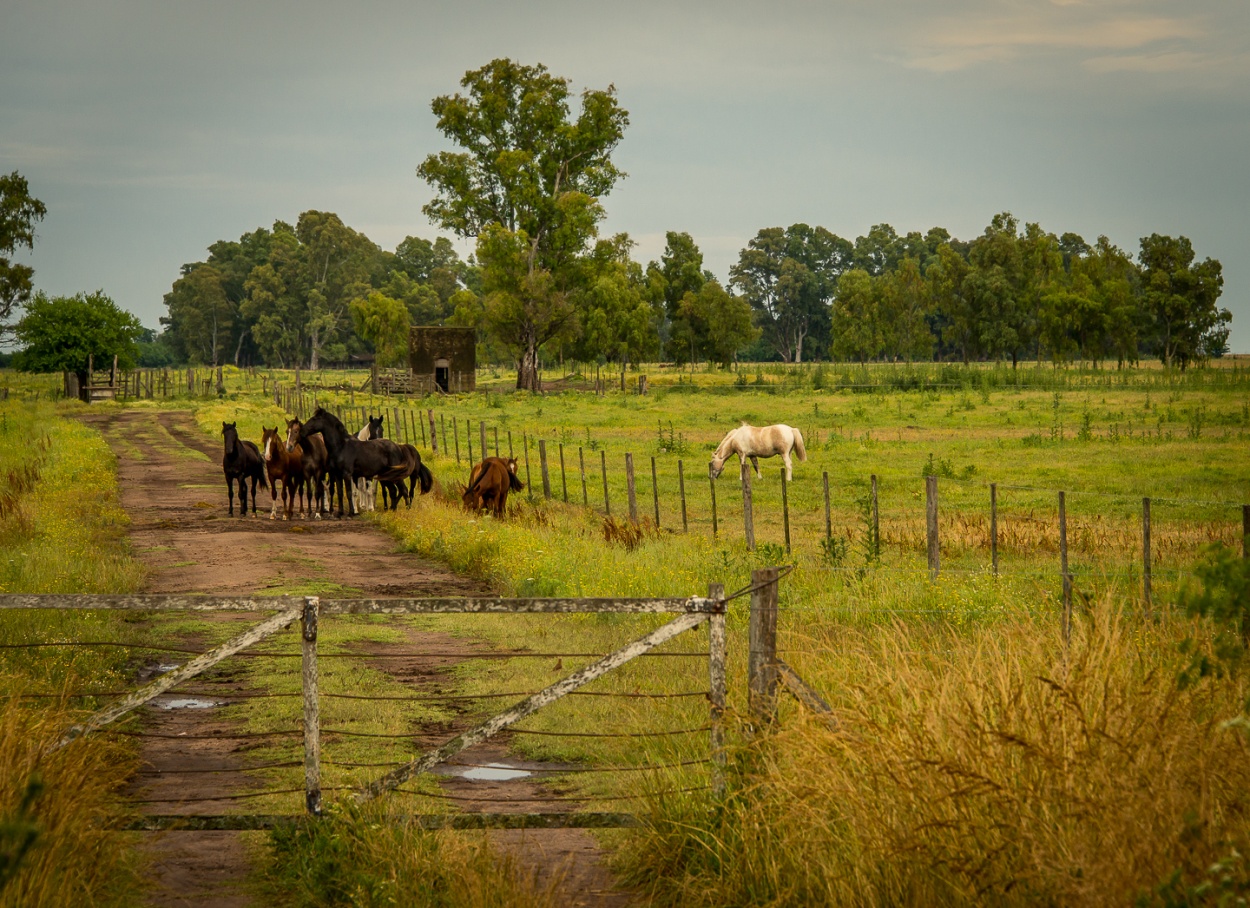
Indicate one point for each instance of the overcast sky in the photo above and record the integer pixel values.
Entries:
(152, 129)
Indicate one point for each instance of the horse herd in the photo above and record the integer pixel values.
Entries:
(322, 455)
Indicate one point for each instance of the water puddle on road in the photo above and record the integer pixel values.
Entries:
(185, 703)
(489, 772)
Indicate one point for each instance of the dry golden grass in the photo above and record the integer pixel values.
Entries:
(75, 859)
(980, 768)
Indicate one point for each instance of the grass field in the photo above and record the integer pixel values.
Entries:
(975, 761)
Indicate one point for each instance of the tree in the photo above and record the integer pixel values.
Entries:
(718, 322)
(1179, 300)
(18, 213)
(789, 276)
(60, 333)
(678, 272)
(201, 314)
(1005, 322)
(618, 320)
(383, 322)
(532, 170)
(948, 292)
(522, 306)
(856, 317)
(904, 305)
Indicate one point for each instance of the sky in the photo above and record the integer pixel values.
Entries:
(152, 129)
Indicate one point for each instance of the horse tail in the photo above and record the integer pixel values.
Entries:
(425, 477)
(798, 445)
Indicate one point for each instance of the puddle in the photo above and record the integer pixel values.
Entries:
(168, 667)
(186, 703)
(492, 772)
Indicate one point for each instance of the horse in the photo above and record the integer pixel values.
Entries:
(750, 442)
(286, 466)
(363, 489)
(349, 457)
(489, 484)
(392, 482)
(240, 461)
(313, 459)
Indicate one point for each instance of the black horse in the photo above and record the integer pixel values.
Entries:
(242, 461)
(411, 470)
(349, 457)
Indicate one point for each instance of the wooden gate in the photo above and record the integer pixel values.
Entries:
(309, 611)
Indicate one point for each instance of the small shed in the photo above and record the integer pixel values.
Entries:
(442, 358)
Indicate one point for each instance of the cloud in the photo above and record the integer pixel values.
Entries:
(950, 44)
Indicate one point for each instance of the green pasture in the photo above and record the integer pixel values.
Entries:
(1106, 438)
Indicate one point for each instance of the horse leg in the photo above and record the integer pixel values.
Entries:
(230, 492)
(243, 496)
(273, 495)
(786, 458)
(755, 463)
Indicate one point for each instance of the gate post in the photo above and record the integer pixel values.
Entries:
(312, 712)
(716, 671)
(762, 655)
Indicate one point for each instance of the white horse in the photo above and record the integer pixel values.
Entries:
(748, 441)
(363, 491)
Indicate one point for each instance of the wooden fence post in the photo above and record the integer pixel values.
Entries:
(828, 519)
(581, 465)
(681, 488)
(655, 493)
(748, 509)
(510, 454)
(717, 652)
(629, 486)
(564, 483)
(312, 709)
(712, 485)
(496, 431)
(603, 469)
(442, 421)
(876, 521)
(398, 423)
(468, 438)
(542, 461)
(994, 527)
(762, 654)
(1063, 567)
(1245, 531)
(1145, 554)
(525, 447)
(931, 519)
(481, 430)
(785, 508)
(455, 434)
(433, 434)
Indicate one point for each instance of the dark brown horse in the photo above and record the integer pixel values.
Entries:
(489, 484)
(285, 466)
(314, 458)
(349, 457)
(241, 461)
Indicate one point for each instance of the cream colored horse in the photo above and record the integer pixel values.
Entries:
(748, 441)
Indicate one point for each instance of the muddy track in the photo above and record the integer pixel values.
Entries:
(173, 490)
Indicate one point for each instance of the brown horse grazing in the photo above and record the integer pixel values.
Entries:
(314, 458)
(489, 484)
(283, 466)
(240, 461)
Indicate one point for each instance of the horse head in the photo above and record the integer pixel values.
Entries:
(268, 438)
(293, 427)
(721, 454)
(375, 426)
(230, 433)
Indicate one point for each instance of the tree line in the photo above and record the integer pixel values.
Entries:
(526, 185)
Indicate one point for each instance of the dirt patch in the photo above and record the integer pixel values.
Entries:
(173, 490)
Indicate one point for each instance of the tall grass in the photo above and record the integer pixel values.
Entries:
(367, 858)
(61, 531)
(979, 767)
(73, 859)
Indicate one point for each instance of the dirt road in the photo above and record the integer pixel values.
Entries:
(173, 490)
